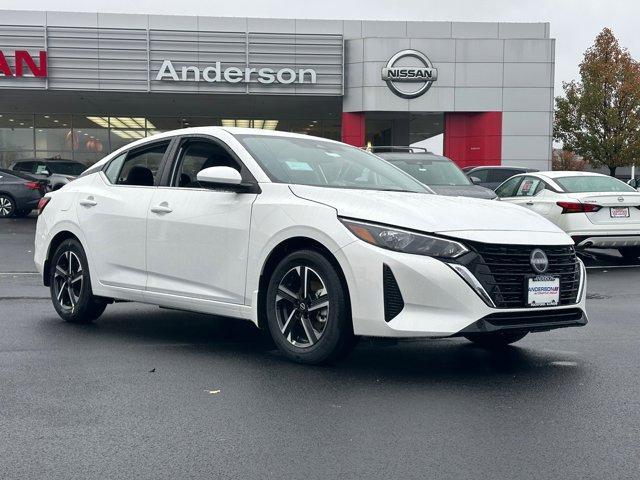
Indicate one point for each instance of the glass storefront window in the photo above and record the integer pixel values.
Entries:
(306, 127)
(378, 131)
(53, 133)
(16, 132)
(90, 139)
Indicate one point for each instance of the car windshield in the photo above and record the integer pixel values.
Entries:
(592, 183)
(432, 172)
(66, 168)
(312, 161)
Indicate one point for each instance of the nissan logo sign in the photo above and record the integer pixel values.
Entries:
(539, 261)
(402, 69)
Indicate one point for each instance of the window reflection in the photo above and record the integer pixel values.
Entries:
(88, 138)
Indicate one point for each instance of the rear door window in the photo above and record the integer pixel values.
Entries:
(137, 167)
(41, 169)
(24, 167)
(528, 187)
(509, 188)
(481, 174)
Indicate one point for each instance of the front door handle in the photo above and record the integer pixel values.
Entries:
(529, 203)
(88, 202)
(162, 208)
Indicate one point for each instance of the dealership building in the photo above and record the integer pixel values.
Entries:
(79, 85)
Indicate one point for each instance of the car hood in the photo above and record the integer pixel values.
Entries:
(430, 213)
(474, 191)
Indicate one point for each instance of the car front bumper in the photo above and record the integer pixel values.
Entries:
(600, 240)
(437, 302)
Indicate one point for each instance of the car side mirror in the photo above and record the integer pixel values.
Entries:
(45, 172)
(225, 178)
(475, 180)
(633, 183)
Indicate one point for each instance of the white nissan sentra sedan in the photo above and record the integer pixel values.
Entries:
(596, 210)
(316, 241)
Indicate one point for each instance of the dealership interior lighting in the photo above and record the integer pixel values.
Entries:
(263, 124)
(125, 127)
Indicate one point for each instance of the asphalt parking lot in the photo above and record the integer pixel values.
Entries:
(151, 393)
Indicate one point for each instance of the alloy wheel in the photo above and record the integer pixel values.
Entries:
(6, 206)
(302, 306)
(68, 279)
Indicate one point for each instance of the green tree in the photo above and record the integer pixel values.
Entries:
(599, 116)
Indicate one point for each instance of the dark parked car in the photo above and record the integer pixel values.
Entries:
(57, 172)
(19, 193)
(492, 177)
(437, 172)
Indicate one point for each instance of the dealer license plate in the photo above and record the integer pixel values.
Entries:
(619, 212)
(543, 290)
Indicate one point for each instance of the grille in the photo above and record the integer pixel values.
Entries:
(393, 301)
(503, 270)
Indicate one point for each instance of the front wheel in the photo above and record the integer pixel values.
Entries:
(70, 285)
(630, 253)
(495, 339)
(307, 309)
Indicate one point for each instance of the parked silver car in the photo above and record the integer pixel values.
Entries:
(439, 173)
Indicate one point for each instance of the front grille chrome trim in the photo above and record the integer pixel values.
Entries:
(473, 282)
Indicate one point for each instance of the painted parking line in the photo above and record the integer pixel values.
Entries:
(19, 273)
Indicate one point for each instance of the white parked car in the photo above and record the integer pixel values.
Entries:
(316, 241)
(596, 210)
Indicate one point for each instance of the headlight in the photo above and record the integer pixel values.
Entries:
(405, 241)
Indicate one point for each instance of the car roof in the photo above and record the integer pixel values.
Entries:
(46, 160)
(398, 156)
(504, 167)
(206, 130)
(569, 173)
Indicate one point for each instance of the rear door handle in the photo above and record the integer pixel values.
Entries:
(529, 202)
(88, 202)
(162, 208)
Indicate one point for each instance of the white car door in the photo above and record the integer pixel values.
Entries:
(197, 238)
(112, 212)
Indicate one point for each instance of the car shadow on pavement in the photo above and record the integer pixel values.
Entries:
(212, 339)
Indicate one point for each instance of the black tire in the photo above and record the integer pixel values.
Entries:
(498, 339)
(77, 305)
(299, 340)
(630, 253)
(7, 206)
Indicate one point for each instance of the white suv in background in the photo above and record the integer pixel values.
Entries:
(316, 241)
(596, 210)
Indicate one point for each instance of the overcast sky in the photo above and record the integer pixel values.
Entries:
(574, 23)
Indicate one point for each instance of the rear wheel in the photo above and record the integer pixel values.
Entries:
(70, 285)
(307, 309)
(495, 339)
(7, 206)
(630, 253)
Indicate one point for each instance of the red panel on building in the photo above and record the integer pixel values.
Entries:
(353, 128)
(473, 138)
